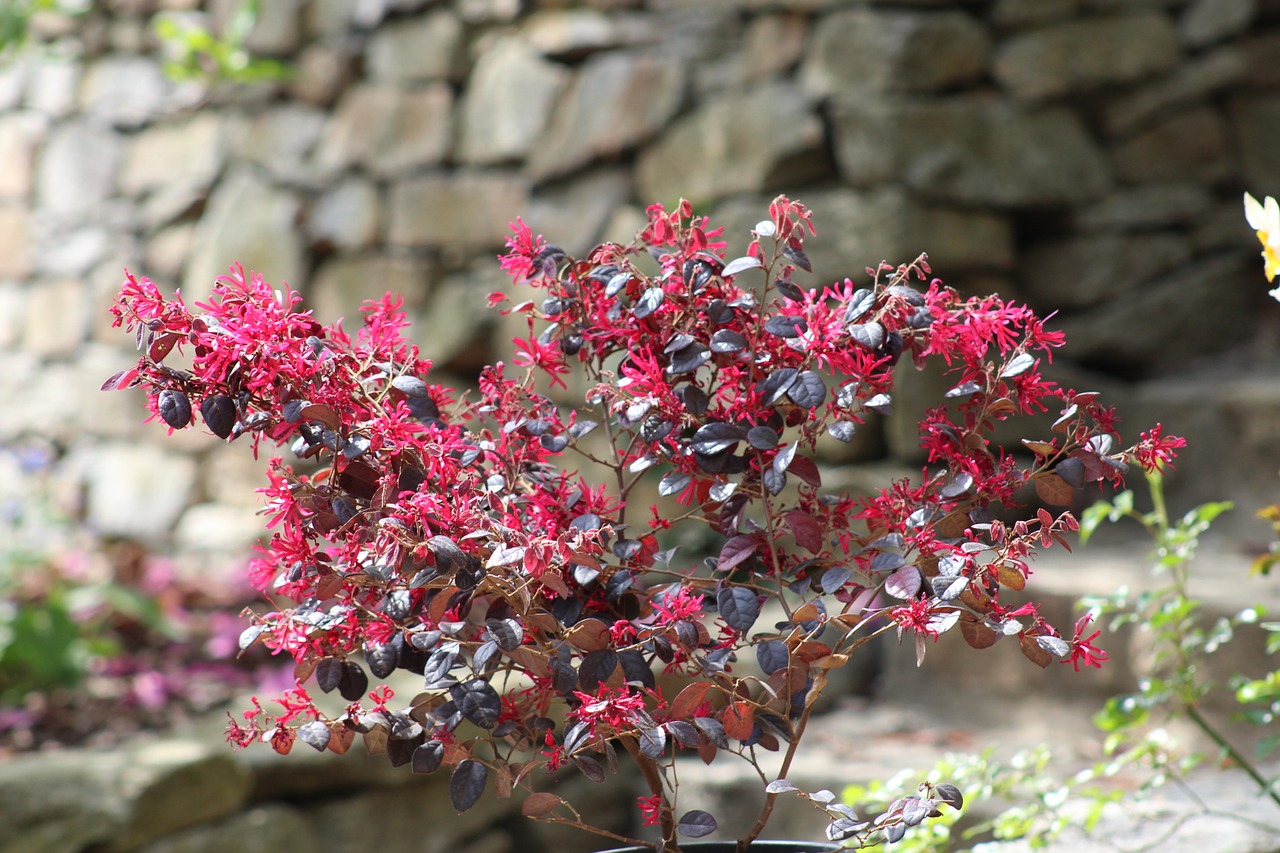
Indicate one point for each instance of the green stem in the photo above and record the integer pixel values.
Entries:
(1156, 484)
(1193, 713)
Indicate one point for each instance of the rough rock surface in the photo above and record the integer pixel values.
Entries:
(615, 102)
(975, 150)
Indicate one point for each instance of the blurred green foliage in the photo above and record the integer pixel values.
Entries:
(191, 50)
(1134, 724)
(15, 20)
(194, 52)
(55, 622)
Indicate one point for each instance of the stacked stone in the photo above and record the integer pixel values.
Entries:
(1084, 155)
(191, 794)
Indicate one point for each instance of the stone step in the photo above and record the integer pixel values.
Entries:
(965, 701)
(1218, 812)
(1219, 580)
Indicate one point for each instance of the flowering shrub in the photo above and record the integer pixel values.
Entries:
(456, 536)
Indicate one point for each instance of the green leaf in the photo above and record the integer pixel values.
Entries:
(1091, 519)
(1203, 515)
(1267, 744)
(1121, 712)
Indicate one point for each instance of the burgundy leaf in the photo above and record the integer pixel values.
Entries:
(736, 550)
(651, 300)
(410, 386)
(862, 301)
(466, 785)
(674, 483)
(381, 658)
(772, 656)
(834, 578)
(806, 530)
(653, 742)
(219, 414)
(315, 734)
(427, 757)
(904, 583)
(808, 391)
(737, 265)
(806, 469)
(869, 335)
(695, 824)
(797, 256)
(739, 607)
(174, 408)
(762, 437)
(726, 341)
(329, 674)
(786, 326)
(477, 701)
(713, 438)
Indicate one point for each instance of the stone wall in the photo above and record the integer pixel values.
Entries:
(194, 795)
(1085, 155)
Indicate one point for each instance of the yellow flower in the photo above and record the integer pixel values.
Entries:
(1265, 220)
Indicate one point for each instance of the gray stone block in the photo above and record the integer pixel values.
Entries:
(460, 211)
(20, 135)
(424, 821)
(1191, 145)
(507, 103)
(573, 213)
(1023, 13)
(572, 33)
(856, 230)
(1080, 272)
(1144, 207)
(969, 149)
(615, 102)
(1205, 22)
(347, 216)
(1192, 81)
(388, 130)
(76, 169)
(732, 145)
(428, 47)
(1170, 322)
(884, 50)
(126, 91)
(251, 222)
(283, 142)
(1087, 54)
(345, 282)
(117, 801)
(1256, 122)
(265, 829)
(192, 152)
(15, 242)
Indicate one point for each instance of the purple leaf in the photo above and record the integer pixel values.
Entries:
(467, 783)
(695, 824)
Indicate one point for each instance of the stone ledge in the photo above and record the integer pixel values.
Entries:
(117, 800)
